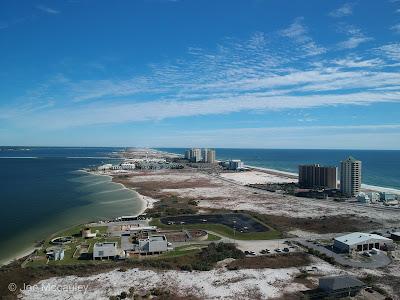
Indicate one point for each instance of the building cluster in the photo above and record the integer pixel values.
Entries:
(317, 176)
(374, 197)
(142, 164)
(326, 178)
(201, 155)
(233, 164)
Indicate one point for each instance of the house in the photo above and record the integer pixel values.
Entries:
(155, 244)
(335, 287)
(359, 241)
(340, 286)
(395, 236)
(105, 250)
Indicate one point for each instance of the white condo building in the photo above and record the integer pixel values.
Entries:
(196, 154)
(350, 177)
(210, 156)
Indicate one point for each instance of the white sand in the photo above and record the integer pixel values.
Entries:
(214, 284)
(257, 177)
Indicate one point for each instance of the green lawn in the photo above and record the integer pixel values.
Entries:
(213, 237)
(223, 230)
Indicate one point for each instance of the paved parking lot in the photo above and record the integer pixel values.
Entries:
(375, 261)
(239, 222)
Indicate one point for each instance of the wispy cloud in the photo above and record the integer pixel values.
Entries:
(47, 9)
(396, 28)
(391, 51)
(343, 11)
(299, 33)
(356, 37)
(260, 74)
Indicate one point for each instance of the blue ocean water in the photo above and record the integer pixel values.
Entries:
(379, 167)
(43, 191)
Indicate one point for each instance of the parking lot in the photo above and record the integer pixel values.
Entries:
(238, 222)
(373, 262)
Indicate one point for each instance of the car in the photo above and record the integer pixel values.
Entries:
(367, 254)
(263, 252)
(204, 220)
(278, 250)
(246, 252)
(286, 250)
(252, 253)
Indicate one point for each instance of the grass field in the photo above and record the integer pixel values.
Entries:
(223, 230)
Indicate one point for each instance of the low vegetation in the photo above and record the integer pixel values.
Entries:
(271, 261)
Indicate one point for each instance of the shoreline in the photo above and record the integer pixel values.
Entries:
(146, 203)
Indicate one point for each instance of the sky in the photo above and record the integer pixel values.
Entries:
(212, 73)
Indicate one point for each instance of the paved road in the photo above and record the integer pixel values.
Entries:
(375, 261)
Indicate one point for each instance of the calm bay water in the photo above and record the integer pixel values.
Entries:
(379, 168)
(43, 191)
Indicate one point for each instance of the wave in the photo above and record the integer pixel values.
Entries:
(19, 157)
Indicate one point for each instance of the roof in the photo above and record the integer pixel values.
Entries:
(352, 159)
(339, 282)
(105, 245)
(359, 237)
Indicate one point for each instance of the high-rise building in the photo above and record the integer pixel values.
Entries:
(210, 156)
(188, 154)
(350, 177)
(316, 176)
(195, 155)
(204, 154)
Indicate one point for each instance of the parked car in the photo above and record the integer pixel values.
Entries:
(367, 254)
(278, 250)
(286, 249)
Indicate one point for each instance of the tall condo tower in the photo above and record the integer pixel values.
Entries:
(350, 176)
(210, 156)
(316, 176)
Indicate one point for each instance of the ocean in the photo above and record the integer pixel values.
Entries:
(379, 167)
(42, 191)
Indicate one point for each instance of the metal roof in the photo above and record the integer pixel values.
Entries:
(339, 282)
(359, 237)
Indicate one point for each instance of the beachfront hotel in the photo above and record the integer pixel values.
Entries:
(200, 155)
(350, 176)
(311, 176)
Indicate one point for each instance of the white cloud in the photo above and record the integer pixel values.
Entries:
(391, 51)
(343, 11)
(396, 28)
(47, 9)
(299, 33)
(258, 74)
(356, 37)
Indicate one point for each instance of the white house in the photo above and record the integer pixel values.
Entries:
(105, 250)
(154, 244)
(360, 241)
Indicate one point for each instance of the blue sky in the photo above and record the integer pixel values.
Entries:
(245, 73)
